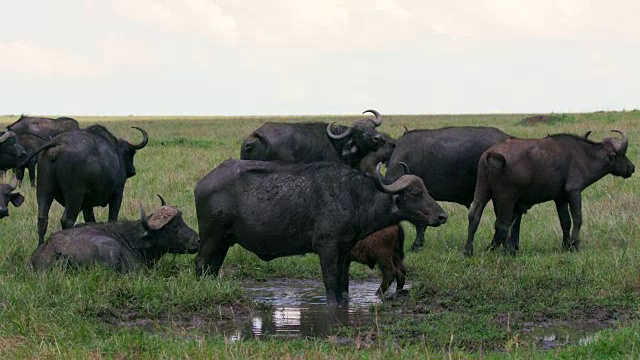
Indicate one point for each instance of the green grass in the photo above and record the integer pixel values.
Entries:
(457, 306)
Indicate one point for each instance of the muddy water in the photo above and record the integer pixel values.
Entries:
(299, 309)
(559, 333)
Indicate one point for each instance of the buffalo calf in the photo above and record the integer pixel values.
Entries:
(385, 248)
(122, 245)
(519, 173)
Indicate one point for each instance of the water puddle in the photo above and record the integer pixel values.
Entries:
(553, 334)
(299, 309)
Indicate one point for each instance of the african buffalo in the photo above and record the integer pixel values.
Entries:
(519, 173)
(122, 245)
(447, 161)
(316, 141)
(45, 128)
(81, 169)
(381, 154)
(384, 247)
(275, 209)
(8, 196)
(11, 152)
(33, 132)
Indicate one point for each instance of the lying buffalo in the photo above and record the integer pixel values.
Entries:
(519, 173)
(384, 248)
(12, 154)
(8, 196)
(122, 245)
(82, 169)
(274, 209)
(33, 132)
(317, 141)
(446, 160)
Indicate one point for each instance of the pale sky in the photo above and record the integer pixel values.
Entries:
(240, 57)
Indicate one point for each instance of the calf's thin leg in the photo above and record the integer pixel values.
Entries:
(44, 204)
(504, 209)
(88, 215)
(514, 236)
(475, 214)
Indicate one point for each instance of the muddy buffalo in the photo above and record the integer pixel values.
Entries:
(446, 160)
(274, 209)
(519, 173)
(82, 169)
(316, 141)
(122, 245)
(7, 195)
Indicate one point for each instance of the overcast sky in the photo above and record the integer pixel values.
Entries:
(241, 57)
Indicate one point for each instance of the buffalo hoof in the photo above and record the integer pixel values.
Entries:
(417, 248)
(468, 251)
(402, 292)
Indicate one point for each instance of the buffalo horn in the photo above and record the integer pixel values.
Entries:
(337, 137)
(405, 167)
(397, 186)
(586, 135)
(5, 136)
(143, 217)
(621, 148)
(378, 120)
(162, 200)
(145, 138)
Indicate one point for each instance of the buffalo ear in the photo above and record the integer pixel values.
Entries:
(16, 199)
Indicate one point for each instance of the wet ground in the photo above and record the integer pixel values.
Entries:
(297, 308)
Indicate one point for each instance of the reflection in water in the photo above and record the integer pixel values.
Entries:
(299, 309)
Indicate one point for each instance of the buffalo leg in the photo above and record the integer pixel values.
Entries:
(32, 173)
(514, 236)
(400, 276)
(475, 214)
(329, 263)
(72, 207)
(211, 255)
(44, 204)
(504, 209)
(575, 204)
(345, 277)
(418, 244)
(114, 206)
(88, 215)
(565, 221)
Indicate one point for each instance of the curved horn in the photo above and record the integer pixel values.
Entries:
(405, 166)
(162, 200)
(586, 135)
(378, 120)
(5, 136)
(337, 137)
(622, 148)
(143, 217)
(406, 129)
(13, 184)
(145, 138)
(397, 186)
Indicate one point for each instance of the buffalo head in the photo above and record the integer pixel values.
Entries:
(8, 196)
(11, 152)
(363, 136)
(412, 200)
(168, 230)
(617, 153)
(128, 150)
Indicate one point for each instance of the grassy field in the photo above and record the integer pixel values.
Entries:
(457, 306)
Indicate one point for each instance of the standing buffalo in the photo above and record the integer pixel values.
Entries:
(11, 152)
(519, 173)
(8, 196)
(317, 141)
(274, 209)
(82, 169)
(447, 161)
(380, 155)
(122, 245)
(33, 132)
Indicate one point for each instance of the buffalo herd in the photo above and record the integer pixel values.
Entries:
(346, 209)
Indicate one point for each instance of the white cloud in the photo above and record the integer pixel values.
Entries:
(30, 59)
(181, 16)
